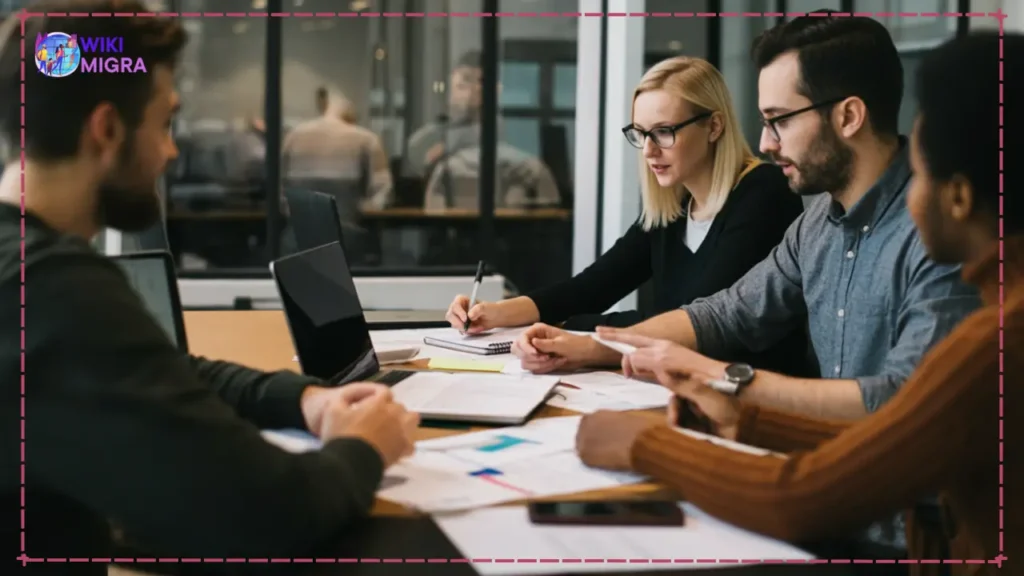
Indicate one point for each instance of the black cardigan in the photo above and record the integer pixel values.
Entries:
(752, 222)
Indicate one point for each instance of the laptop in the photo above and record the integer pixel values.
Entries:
(152, 274)
(332, 340)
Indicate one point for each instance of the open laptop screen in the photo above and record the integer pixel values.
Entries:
(152, 276)
(325, 318)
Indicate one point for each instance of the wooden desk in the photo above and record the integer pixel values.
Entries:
(260, 339)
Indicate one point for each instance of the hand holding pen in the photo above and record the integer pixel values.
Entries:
(476, 288)
(461, 314)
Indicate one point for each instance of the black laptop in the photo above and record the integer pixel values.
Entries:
(152, 274)
(325, 318)
(332, 340)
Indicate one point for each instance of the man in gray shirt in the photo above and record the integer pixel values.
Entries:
(852, 265)
(461, 129)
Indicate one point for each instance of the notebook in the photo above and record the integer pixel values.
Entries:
(487, 344)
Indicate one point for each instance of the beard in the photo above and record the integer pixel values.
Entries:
(128, 200)
(826, 167)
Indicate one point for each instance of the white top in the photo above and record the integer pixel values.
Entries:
(696, 230)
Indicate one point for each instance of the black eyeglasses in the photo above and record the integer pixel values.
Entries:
(663, 136)
(770, 123)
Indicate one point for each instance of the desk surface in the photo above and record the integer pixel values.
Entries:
(260, 339)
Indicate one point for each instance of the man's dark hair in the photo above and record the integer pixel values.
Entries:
(321, 93)
(471, 59)
(840, 57)
(56, 108)
(958, 110)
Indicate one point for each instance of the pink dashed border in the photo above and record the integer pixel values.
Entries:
(25, 559)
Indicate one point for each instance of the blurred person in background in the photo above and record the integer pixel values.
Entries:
(458, 129)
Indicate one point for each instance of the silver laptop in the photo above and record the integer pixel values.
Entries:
(332, 341)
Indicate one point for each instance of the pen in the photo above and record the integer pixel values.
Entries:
(476, 288)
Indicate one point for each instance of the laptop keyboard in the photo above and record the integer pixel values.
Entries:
(392, 377)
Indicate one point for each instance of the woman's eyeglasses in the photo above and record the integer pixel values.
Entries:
(663, 136)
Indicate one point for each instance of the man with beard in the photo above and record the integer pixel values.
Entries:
(457, 131)
(120, 427)
(852, 264)
(941, 431)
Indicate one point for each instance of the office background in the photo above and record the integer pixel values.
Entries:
(543, 184)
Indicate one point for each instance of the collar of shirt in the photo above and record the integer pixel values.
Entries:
(868, 210)
(985, 274)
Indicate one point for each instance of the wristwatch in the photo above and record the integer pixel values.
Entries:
(737, 376)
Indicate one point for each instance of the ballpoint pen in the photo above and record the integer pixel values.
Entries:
(476, 288)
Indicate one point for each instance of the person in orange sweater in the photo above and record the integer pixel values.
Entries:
(944, 430)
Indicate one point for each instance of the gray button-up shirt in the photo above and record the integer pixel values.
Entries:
(875, 302)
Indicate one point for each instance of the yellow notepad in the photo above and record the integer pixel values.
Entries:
(465, 365)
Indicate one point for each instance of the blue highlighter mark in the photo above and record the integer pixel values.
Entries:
(503, 442)
(486, 472)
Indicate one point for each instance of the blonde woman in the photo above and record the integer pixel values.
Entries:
(711, 211)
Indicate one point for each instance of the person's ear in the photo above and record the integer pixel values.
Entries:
(104, 133)
(851, 115)
(957, 198)
(717, 124)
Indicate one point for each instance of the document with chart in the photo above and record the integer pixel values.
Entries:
(495, 466)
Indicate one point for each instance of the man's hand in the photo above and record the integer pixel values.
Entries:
(721, 411)
(652, 355)
(378, 421)
(605, 439)
(542, 348)
(316, 399)
(685, 372)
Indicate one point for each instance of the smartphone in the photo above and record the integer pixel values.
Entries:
(688, 417)
(608, 513)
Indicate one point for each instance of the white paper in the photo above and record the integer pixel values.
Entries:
(495, 466)
(472, 394)
(587, 402)
(506, 533)
(392, 339)
(617, 388)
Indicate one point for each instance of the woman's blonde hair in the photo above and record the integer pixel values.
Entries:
(702, 85)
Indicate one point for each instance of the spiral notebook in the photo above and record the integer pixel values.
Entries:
(483, 344)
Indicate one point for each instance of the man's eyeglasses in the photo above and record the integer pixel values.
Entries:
(663, 136)
(770, 123)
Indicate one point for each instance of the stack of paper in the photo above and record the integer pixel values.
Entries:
(495, 466)
(702, 543)
(593, 391)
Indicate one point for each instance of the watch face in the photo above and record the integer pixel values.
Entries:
(739, 372)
